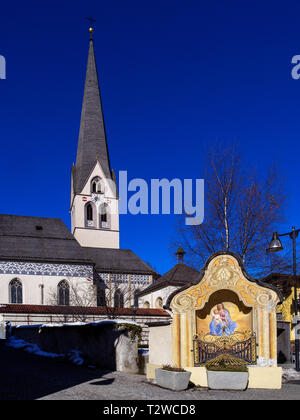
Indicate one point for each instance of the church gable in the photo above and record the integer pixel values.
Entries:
(98, 183)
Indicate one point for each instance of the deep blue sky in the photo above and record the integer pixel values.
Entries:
(175, 76)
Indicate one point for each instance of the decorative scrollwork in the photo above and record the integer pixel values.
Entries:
(224, 273)
(264, 298)
(227, 359)
(225, 341)
(183, 303)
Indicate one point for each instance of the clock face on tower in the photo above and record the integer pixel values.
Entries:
(95, 198)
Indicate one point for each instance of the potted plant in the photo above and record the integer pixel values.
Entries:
(222, 375)
(173, 378)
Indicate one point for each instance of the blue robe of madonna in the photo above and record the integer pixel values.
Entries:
(219, 329)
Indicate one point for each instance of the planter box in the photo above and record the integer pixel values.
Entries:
(176, 381)
(227, 380)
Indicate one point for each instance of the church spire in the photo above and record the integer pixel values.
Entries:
(92, 143)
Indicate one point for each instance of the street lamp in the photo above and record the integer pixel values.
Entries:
(275, 246)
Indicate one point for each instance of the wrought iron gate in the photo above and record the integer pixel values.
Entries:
(244, 350)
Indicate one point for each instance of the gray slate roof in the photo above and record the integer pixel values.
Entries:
(179, 275)
(42, 239)
(117, 260)
(30, 238)
(92, 143)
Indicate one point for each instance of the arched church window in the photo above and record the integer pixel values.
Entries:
(63, 293)
(96, 185)
(104, 216)
(101, 300)
(146, 304)
(136, 298)
(90, 214)
(118, 299)
(159, 302)
(15, 291)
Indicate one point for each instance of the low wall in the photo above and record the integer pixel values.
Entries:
(107, 344)
(160, 343)
(44, 314)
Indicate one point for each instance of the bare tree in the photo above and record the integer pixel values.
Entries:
(76, 295)
(119, 296)
(242, 209)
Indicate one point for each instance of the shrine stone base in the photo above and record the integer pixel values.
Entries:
(259, 377)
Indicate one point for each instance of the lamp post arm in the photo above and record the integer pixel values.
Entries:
(293, 232)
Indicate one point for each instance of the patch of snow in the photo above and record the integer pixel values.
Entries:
(74, 356)
(18, 343)
(79, 323)
(114, 321)
(290, 375)
(94, 323)
(63, 324)
(29, 326)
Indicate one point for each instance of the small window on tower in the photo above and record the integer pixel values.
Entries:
(90, 213)
(104, 217)
(96, 186)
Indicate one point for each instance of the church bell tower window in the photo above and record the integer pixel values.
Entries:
(90, 212)
(104, 218)
(96, 186)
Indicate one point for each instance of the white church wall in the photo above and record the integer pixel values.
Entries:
(152, 298)
(97, 238)
(40, 280)
(39, 290)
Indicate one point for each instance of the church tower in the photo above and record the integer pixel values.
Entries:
(94, 196)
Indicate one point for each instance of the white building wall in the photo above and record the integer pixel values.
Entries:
(152, 297)
(32, 288)
(43, 278)
(38, 278)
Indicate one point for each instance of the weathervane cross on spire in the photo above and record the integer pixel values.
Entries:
(92, 21)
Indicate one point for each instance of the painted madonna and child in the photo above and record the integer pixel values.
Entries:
(224, 319)
(221, 322)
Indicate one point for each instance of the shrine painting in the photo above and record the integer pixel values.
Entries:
(221, 322)
(228, 317)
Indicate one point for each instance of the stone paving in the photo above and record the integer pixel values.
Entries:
(28, 377)
(121, 386)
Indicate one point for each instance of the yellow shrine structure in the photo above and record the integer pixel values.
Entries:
(225, 314)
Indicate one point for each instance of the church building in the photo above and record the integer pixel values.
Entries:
(43, 263)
